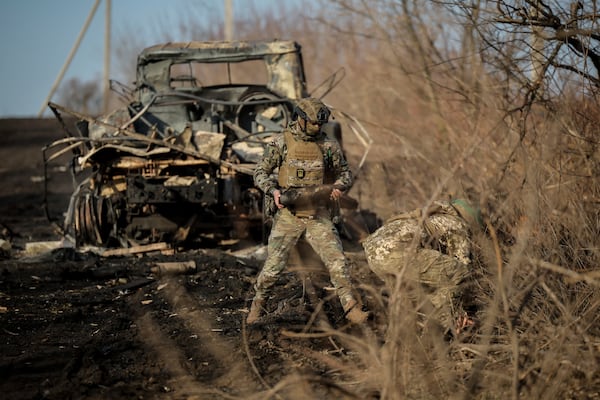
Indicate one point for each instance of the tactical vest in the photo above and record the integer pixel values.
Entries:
(303, 165)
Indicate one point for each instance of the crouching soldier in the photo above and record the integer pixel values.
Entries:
(432, 248)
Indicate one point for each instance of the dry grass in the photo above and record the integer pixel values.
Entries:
(439, 133)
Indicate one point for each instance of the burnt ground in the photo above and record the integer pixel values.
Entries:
(78, 325)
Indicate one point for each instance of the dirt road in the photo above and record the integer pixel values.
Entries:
(78, 325)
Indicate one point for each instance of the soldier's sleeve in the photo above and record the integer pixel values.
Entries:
(343, 174)
(263, 173)
(459, 245)
(452, 233)
(458, 236)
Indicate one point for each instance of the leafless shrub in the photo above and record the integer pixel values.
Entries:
(85, 97)
(461, 100)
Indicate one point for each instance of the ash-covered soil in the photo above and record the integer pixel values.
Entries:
(78, 325)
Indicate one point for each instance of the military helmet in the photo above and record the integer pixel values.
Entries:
(311, 110)
(468, 212)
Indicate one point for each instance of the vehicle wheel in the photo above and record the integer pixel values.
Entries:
(94, 219)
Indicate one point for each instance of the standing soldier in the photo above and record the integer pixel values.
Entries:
(306, 159)
(433, 248)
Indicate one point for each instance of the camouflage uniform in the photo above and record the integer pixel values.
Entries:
(433, 251)
(318, 228)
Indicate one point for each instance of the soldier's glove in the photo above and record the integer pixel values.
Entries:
(463, 323)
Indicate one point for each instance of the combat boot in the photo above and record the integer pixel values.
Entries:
(354, 313)
(255, 311)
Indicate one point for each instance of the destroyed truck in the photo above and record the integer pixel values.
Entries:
(176, 161)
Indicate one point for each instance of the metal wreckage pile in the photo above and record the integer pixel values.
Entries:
(176, 162)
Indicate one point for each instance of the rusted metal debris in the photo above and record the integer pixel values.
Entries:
(135, 249)
(176, 161)
(174, 268)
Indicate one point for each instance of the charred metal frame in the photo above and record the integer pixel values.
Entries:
(174, 164)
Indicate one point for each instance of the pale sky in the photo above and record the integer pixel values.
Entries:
(38, 35)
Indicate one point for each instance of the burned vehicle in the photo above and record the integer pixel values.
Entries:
(176, 162)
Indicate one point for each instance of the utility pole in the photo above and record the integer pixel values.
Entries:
(106, 89)
(69, 58)
(228, 20)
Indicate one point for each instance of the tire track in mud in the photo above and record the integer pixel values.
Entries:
(231, 371)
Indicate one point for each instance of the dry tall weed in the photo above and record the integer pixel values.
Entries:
(446, 124)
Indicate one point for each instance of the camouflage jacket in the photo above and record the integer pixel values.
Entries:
(442, 229)
(276, 151)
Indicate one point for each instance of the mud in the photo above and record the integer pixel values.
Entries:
(78, 325)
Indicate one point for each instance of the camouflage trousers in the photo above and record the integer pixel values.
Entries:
(322, 236)
(439, 278)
